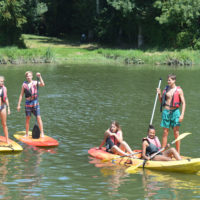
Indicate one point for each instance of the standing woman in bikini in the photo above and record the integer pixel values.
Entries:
(3, 104)
(171, 99)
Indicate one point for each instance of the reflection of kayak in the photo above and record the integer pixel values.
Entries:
(12, 147)
(45, 141)
(191, 165)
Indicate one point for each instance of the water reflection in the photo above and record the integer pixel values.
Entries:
(3, 176)
(115, 175)
(161, 185)
(156, 184)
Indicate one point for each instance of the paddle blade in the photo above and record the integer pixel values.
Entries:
(36, 132)
(132, 169)
(180, 137)
(105, 160)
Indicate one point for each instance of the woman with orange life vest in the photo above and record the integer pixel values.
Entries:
(151, 145)
(29, 88)
(3, 102)
(171, 98)
(113, 137)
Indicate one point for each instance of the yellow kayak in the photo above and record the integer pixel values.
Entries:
(11, 147)
(186, 165)
(191, 165)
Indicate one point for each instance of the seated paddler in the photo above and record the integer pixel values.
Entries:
(113, 138)
(151, 145)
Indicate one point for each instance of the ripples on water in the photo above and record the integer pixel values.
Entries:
(77, 106)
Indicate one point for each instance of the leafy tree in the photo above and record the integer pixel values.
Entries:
(134, 15)
(58, 18)
(181, 18)
(11, 21)
(34, 11)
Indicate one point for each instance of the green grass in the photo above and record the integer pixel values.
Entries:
(51, 49)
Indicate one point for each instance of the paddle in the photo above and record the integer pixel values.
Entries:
(133, 168)
(107, 160)
(154, 107)
(36, 130)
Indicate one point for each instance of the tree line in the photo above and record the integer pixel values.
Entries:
(123, 23)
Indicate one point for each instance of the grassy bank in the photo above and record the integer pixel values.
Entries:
(48, 49)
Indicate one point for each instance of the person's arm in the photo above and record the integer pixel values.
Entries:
(183, 105)
(41, 82)
(159, 95)
(144, 146)
(20, 99)
(106, 134)
(7, 103)
(118, 137)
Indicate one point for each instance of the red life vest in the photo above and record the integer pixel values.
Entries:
(30, 92)
(176, 101)
(4, 94)
(114, 140)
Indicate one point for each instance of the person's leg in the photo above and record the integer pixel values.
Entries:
(176, 134)
(28, 117)
(40, 124)
(165, 123)
(164, 138)
(28, 110)
(36, 112)
(172, 152)
(4, 124)
(125, 147)
(161, 158)
(115, 149)
(176, 124)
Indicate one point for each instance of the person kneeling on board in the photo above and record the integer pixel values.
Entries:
(113, 137)
(151, 145)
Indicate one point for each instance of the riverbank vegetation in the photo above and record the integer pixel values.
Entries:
(42, 49)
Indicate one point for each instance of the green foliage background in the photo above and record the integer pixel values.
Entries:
(159, 24)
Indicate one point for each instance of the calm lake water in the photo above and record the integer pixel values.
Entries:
(77, 105)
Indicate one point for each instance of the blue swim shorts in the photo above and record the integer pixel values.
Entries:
(32, 107)
(170, 118)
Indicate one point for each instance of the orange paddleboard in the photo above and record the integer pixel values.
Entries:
(45, 141)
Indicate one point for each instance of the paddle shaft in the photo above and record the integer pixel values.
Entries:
(105, 160)
(154, 107)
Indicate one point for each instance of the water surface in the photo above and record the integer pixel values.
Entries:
(77, 105)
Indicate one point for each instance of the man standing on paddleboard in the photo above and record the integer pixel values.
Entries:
(30, 89)
(171, 99)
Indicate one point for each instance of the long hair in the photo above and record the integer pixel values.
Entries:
(116, 124)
